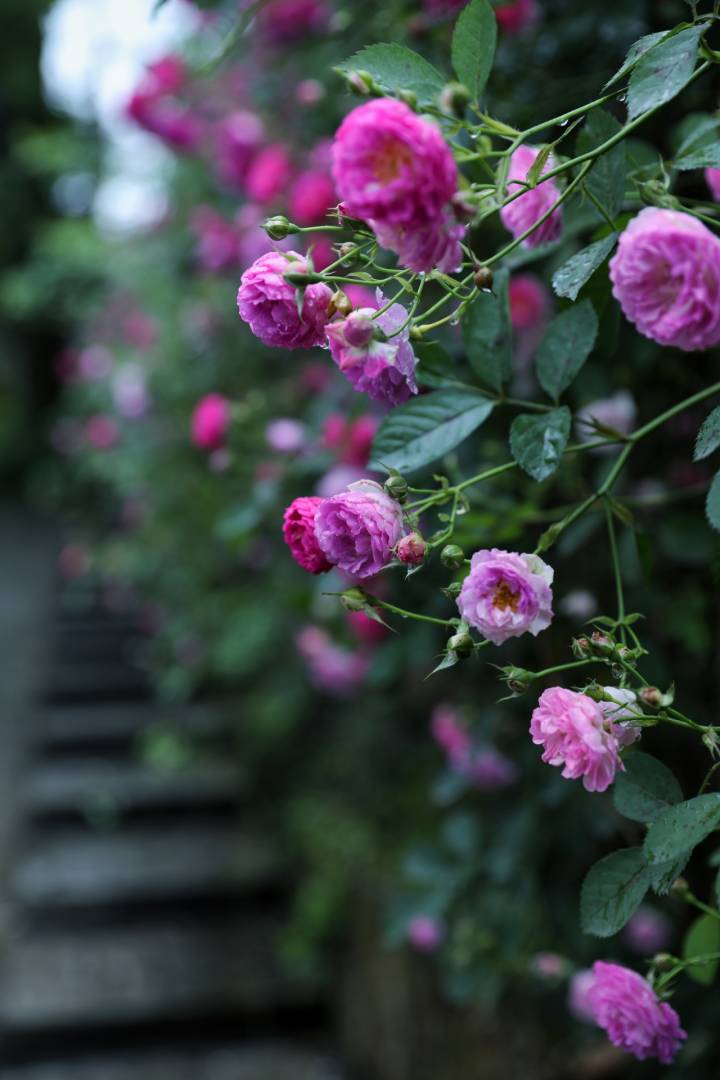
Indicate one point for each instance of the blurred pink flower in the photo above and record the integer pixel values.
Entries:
(268, 174)
(285, 435)
(425, 933)
(210, 422)
(712, 179)
(311, 195)
(527, 209)
(218, 246)
(237, 137)
(517, 16)
(529, 301)
(647, 932)
(334, 669)
(101, 432)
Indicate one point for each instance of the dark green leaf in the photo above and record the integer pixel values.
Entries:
(473, 46)
(646, 789)
(702, 938)
(708, 438)
(566, 346)
(636, 50)
(663, 71)
(613, 891)
(435, 366)
(570, 278)
(396, 68)
(700, 149)
(487, 333)
(538, 441)
(712, 503)
(606, 179)
(424, 429)
(680, 828)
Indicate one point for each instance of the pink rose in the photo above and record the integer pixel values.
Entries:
(268, 174)
(267, 302)
(358, 529)
(524, 211)
(577, 734)
(210, 422)
(299, 534)
(425, 933)
(666, 277)
(375, 354)
(712, 179)
(506, 595)
(394, 170)
(627, 1007)
(311, 196)
(517, 16)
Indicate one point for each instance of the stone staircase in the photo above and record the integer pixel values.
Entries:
(140, 905)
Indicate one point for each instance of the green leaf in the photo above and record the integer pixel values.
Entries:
(646, 789)
(606, 179)
(613, 891)
(537, 441)
(680, 828)
(396, 68)
(712, 503)
(423, 430)
(702, 938)
(708, 438)
(636, 50)
(568, 342)
(700, 149)
(473, 46)
(663, 71)
(572, 275)
(435, 366)
(487, 333)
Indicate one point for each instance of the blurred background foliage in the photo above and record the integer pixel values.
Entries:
(109, 339)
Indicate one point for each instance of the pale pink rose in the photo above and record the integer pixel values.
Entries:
(577, 735)
(506, 594)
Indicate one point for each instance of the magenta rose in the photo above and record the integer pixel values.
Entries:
(517, 16)
(627, 1007)
(666, 277)
(523, 212)
(358, 529)
(299, 534)
(311, 196)
(411, 549)
(506, 594)
(210, 422)
(380, 365)
(577, 734)
(237, 137)
(394, 170)
(267, 303)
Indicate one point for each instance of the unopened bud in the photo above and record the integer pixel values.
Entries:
(650, 695)
(601, 644)
(358, 330)
(452, 591)
(454, 97)
(581, 648)
(303, 278)
(679, 887)
(483, 278)
(340, 303)
(411, 549)
(711, 742)
(347, 249)
(279, 227)
(461, 644)
(361, 83)
(662, 961)
(517, 679)
(409, 97)
(452, 557)
(355, 599)
(397, 488)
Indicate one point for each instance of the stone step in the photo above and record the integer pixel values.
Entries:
(63, 728)
(270, 1062)
(108, 680)
(114, 787)
(73, 868)
(146, 974)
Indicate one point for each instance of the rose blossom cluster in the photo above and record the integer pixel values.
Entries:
(394, 170)
(356, 530)
(155, 107)
(371, 345)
